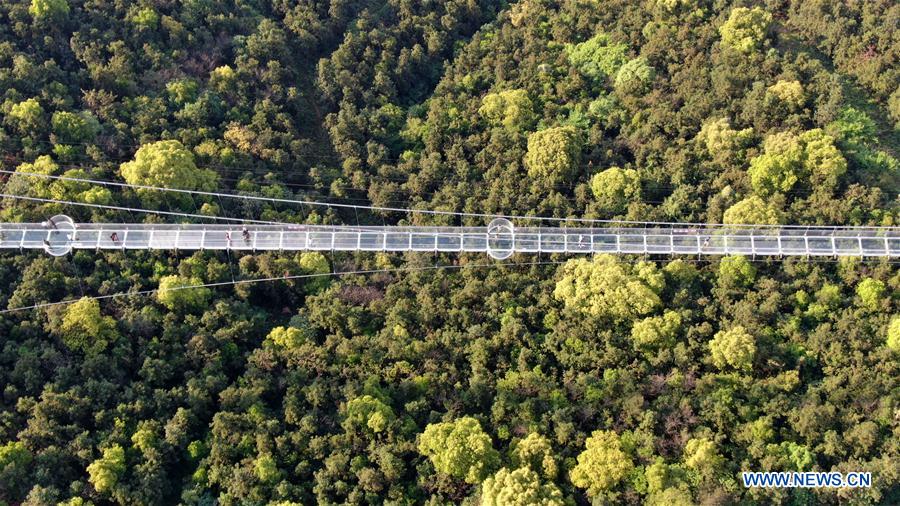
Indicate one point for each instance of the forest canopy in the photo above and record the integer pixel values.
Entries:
(167, 377)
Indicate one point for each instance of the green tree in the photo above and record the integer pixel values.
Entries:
(180, 293)
(745, 29)
(780, 167)
(144, 18)
(602, 464)
(166, 164)
(607, 287)
(521, 487)
(634, 77)
(266, 469)
(597, 57)
(85, 329)
(182, 91)
(553, 153)
(534, 451)
(752, 211)
(656, 332)
(369, 413)
(315, 263)
(702, 456)
(822, 160)
(893, 334)
(723, 142)
(788, 92)
(672, 496)
(460, 449)
(870, 292)
(63, 189)
(511, 109)
(614, 188)
(733, 348)
(14, 461)
(48, 9)
(72, 127)
(27, 116)
(735, 271)
(106, 471)
(287, 337)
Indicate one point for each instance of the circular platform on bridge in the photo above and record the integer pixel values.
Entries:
(61, 231)
(501, 238)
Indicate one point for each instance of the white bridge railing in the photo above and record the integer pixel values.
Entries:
(500, 239)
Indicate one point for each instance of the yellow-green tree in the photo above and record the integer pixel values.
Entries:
(634, 77)
(733, 348)
(369, 413)
(780, 167)
(702, 456)
(614, 188)
(521, 487)
(106, 471)
(722, 142)
(745, 29)
(735, 271)
(27, 116)
(287, 337)
(607, 287)
(511, 109)
(182, 294)
(85, 329)
(893, 334)
(602, 464)
(752, 211)
(789, 93)
(656, 332)
(534, 451)
(73, 127)
(822, 161)
(870, 292)
(597, 57)
(460, 449)
(166, 164)
(48, 9)
(553, 153)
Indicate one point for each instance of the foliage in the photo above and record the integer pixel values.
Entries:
(752, 211)
(71, 127)
(788, 92)
(460, 449)
(602, 464)
(598, 57)
(173, 294)
(745, 29)
(736, 271)
(656, 331)
(534, 452)
(85, 329)
(634, 77)
(368, 412)
(893, 334)
(733, 348)
(27, 115)
(721, 141)
(607, 287)
(287, 337)
(166, 164)
(553, 153)
(871, 293)
(106, 471)
(48, 9)
(519, 488)
(511, 109)
(614, 188)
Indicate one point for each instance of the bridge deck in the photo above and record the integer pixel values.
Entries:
(705, 240)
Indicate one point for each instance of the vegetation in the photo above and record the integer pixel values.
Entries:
(609, 380)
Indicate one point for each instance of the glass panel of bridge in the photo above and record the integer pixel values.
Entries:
(474, 242)
(527, 242)
(449, 242)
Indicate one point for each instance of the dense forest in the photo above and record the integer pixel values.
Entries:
(448, 379)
